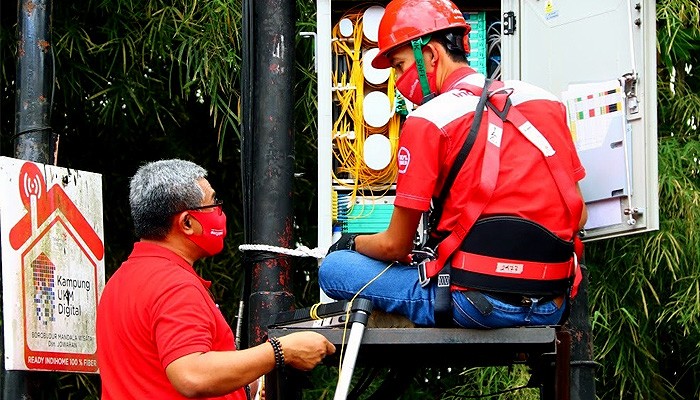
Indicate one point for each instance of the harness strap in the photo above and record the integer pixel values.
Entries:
(417, 46)
(436, 213)
(512, 268)
(466, 279)
(442, 304)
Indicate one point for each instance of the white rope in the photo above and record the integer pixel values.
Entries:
(300, 251)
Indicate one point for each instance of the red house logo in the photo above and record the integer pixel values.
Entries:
(32, 190)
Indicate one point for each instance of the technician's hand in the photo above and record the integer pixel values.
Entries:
(346, 242)
(305, 350)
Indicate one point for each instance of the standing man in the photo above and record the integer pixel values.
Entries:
(505, 201)
(159, 333)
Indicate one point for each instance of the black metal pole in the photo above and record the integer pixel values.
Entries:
(34, 140)
(246, 160)
(582, 364)
(270, 164)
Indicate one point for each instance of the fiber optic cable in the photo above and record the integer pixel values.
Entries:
(350, 130)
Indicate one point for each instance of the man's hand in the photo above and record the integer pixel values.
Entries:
(305, 350)
(346, 242)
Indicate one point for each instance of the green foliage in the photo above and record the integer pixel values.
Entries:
(646, 322)
(498, 383)
(678, 38)
(645, 319)
(138, 63)
(306, 136)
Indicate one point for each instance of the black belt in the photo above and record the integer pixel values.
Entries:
(518, 300)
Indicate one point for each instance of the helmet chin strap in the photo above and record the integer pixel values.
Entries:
(417, 45)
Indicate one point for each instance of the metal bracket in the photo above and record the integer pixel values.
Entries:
(312, 35)
(509, 23)
(633, 214)
(629, 85)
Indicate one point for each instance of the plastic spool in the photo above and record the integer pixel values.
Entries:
(370, 22)
(376, 109)
(373, 75)
(346, 27)
(377, 151)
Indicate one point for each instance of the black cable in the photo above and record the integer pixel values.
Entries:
(368, 376)
(246, 155)
(584, 363)
(28, 131)
(398, 379)
(53, 81)
(247, 136)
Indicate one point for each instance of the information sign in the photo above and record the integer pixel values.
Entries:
(52, 265)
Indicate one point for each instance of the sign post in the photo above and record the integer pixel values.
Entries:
(52, 265)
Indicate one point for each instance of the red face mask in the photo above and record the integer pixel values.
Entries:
(409, 85)
(211, 240)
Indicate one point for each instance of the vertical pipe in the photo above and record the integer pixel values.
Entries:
(270, 164)
(582, 365)
(246, 160)
(34, 140)
(272, 159)
(325, 124)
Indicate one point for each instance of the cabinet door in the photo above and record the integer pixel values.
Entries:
(582, 48)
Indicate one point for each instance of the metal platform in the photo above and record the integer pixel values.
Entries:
(545, 350)
(443, 346)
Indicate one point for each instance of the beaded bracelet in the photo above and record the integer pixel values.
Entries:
(277, 349)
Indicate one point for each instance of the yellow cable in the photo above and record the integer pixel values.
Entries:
(347, 314)
(313, 312)
(349, 128)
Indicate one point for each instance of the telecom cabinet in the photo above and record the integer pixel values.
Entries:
(598, 56)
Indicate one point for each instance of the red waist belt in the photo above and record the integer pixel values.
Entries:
(512, 268)
(535, 278)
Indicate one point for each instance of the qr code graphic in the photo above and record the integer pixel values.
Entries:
(44, 296)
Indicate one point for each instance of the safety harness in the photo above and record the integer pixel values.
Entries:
(499, 254)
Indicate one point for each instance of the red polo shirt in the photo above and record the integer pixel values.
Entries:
(432, 136)
(154, 310)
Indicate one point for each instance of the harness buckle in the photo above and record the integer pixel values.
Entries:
(422, 274)
(420, 258)
(443, 280)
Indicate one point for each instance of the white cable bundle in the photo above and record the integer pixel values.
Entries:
(300, 251)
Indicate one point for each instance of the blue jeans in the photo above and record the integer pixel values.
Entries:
(343, 273)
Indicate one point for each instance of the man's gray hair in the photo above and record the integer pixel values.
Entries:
(161, 189)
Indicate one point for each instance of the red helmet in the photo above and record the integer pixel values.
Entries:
(405, 20)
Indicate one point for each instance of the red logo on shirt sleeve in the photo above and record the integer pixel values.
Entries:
(404, 159)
